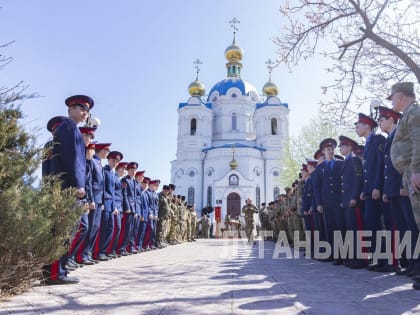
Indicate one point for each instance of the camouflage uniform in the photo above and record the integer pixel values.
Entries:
(172, 235)
(405, 153)
(280, 217)
(164, 213)
(249, 210)
(265, 219)
(292, 218)
(193, 231)
(205, 226)
(183, 218)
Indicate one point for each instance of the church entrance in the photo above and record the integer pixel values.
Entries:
(234, 205)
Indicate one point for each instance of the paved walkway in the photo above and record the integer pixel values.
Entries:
(220, 277)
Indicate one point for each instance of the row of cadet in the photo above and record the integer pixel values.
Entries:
(373, 192)
(123, 214)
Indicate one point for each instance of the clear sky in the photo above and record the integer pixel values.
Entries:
(135, 58)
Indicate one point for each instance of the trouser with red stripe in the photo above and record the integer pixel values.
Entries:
(85, 251)
(147, 241)
(153, 224)
(57, 269)
(308, 220)
(133, 240)
(80, 236)
(107, 228)
(142, 233)
(354, 223)
(126, 231)
(113, 245)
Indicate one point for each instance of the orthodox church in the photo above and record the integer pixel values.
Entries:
(231, 141)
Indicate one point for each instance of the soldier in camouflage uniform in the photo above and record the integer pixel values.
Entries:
(205, 226)
(292, 217)
(280, 216)
(299, 193)
(164, 213)
(248, 210)
(264, 218)
(405, 149)
(188, 234)
(183, 220)
(193, 231)
(172, 236)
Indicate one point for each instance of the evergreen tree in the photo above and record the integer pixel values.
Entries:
(35, 222)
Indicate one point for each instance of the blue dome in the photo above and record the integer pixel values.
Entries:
(223, 86)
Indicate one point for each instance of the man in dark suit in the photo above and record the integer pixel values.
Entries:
(107, 216)
(129, 207)
(373, 170)
(68, 162)
(327, 194)
(351, 187)
(400, 207)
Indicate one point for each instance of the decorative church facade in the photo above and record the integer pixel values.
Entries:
(231, 143)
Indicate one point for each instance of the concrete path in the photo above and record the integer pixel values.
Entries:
(220, 277)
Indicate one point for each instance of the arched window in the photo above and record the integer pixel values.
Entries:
(234, 122)
(276, 192)
(274, 126)
(257, 196)
(191, 196)
(193, 128)
(209, 193)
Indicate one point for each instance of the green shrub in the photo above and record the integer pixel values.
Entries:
(35, 222)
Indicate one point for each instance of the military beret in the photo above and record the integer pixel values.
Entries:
(122, 164)
(313, 163)
(103, 146)
(54, 122)
(132, 165)
(87, 130)
(172, 186)
(82, 100)
(140, 173)
(328, 142)
(318, 154)
(364, 119)
(388, 112)
(182, 198)
(405, 87)
(165, 187)
(115, 155)
(347, 141)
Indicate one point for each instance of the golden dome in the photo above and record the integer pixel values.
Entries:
(233, 164)
(234, 52)
(270, 89)
(196, 88)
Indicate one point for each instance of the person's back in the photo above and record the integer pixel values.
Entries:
(68, 155)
